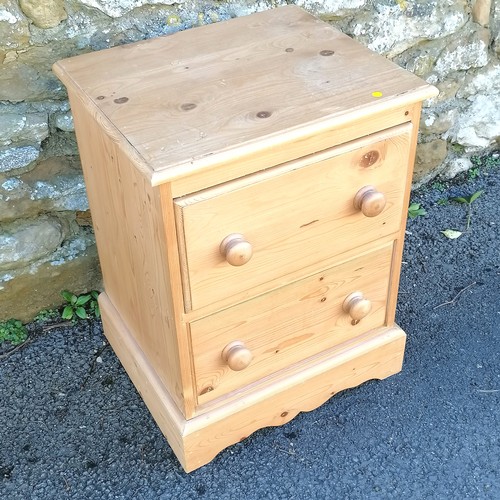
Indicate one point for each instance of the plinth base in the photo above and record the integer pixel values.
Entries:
(302, 387)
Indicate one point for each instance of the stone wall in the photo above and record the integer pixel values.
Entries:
(46, 241)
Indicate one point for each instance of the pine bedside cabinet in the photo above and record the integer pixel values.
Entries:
(248, 183)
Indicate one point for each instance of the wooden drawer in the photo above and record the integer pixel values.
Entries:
(294, 215)
(289, 324)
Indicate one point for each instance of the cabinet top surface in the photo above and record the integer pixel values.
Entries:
(189, 99)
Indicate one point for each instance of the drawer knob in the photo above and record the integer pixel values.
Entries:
(236, 249)
(357, 306)
(237, 356)
(370, 201)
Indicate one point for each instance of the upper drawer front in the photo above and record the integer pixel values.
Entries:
(293, 216)
(290, 324)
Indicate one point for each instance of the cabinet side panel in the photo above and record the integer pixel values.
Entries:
(127, 215)
(399, 243)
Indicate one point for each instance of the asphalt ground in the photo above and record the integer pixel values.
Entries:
(73, 426)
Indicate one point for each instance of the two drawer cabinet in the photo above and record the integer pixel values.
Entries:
(248, 182)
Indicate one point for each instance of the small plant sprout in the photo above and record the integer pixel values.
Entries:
(474, 173)
(46, 315)
(415, 210)
(438, 186)
(83, 306)
(468, 201)
(93, 308)
(13, 331)
(74, 308)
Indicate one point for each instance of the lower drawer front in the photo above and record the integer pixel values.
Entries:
(290, 324)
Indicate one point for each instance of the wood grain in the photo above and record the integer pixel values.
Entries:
(290, 324)
(144, 376)
(400, 240)
(138, 265)
(292, 216)
(276, 150)
(179, 104)
(265, 126)
(377, 354)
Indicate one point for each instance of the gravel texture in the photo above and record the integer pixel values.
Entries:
(73, 426)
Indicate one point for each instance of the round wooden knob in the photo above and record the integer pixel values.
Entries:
(237, 356)
(370, 201)
(357, 306)
(236, 250)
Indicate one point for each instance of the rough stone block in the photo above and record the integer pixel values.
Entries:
(337, 7)
(420, 59)
(463, 52)
(117, 8)
(478, 127)
(393, 27)
(83, 218)
(14, 27)
(27, 76)
(64, 122)
(24, 292)
(481, 12)
(11, 124)
(44, 13)
(495, 26)
(17, 158)
(24, 241)
(56, 184)
(23, 82)
(434, 122)
(482, 81)
(455, 167)
(448, 89)
(23, 128)
(430, 155)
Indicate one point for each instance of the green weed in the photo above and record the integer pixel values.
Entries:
(457, 148)
(47, 315)
(487, 162)
(474, 173)
(468, 201)
(93, 308)
(13, 331)
(438, 186)
(415, 210)
(80, 306)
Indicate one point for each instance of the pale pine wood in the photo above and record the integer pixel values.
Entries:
(236, 250)
(399, 243)
(272, 151)
(377, 355)
(145, 377)
(293, 212)
(278, 137)
(290, 324)
(237, 356)
(295, 275)
(369, 201)
(196, 441)
(357, 306)
(138, 265)
(186, 108)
